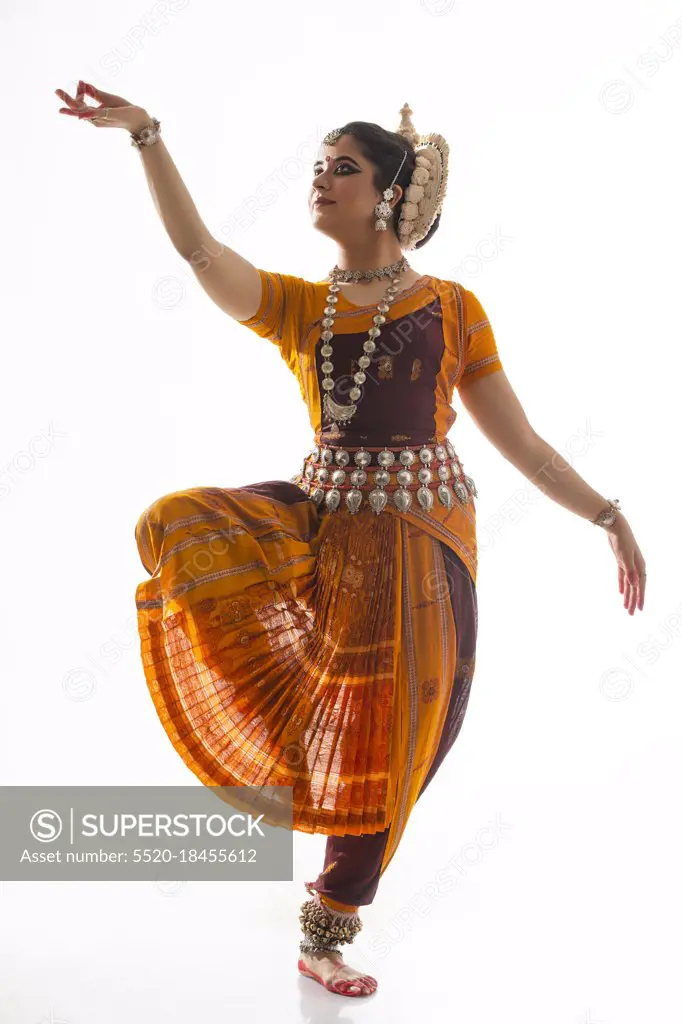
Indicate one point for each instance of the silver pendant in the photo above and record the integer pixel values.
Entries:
(353, 500)
(471, 485)
(332, 499)
(446, 496)
(425, 498)
(461, 491)
(338, 412)
(377, 499)
(402, 499)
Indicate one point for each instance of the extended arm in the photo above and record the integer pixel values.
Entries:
(497, 412)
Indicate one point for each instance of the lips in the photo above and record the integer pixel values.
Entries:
(323, 202)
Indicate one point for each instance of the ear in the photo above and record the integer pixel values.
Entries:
(397, 195)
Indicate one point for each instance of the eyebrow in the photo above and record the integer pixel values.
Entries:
(339, 158)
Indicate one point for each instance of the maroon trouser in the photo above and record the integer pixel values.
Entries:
(352, 864)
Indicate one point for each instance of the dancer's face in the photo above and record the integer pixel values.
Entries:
(343, 175)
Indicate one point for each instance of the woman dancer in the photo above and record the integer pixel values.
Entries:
(320, 633)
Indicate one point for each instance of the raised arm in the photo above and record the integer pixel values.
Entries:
(228, 279)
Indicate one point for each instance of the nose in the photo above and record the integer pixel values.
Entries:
(319, 188)
(320, 181)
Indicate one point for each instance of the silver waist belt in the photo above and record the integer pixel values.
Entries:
(423, 470)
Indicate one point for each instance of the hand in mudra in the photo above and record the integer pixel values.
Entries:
(112, 112)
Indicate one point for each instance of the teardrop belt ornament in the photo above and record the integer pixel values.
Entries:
(328, 482)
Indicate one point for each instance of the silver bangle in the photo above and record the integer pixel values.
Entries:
(607, 517)
(147, 136)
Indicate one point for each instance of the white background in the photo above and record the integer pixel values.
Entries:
(563, 216)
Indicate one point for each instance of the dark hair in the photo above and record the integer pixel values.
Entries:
(385, 150)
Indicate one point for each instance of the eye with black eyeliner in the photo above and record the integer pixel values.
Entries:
(318, 167)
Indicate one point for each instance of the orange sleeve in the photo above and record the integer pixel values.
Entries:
(281, 316)
(480, 349)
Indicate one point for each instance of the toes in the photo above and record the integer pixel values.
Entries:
(353, 987)
(360, 985)
(346, 987)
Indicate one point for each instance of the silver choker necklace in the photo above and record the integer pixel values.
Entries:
(347, 276)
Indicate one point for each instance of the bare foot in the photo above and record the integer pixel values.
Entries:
(330, 970)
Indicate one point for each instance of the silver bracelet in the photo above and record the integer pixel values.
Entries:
(607, 517)
(147, 136)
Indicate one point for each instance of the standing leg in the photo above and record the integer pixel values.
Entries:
(353, 865)
(349, 879)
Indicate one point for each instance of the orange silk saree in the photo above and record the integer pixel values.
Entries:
(286, 646)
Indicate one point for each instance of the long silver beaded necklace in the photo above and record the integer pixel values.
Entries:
(343, 413)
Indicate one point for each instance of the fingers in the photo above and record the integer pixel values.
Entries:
(83, 115)
(634, 588)
(95, 94)
(79, 113)
(641, 590)
(87, 90)
(107, 98)
(641, 585)
(77, 106)
(73, 104)
(630, 591)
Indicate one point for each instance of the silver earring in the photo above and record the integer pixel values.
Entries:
(383, 210)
